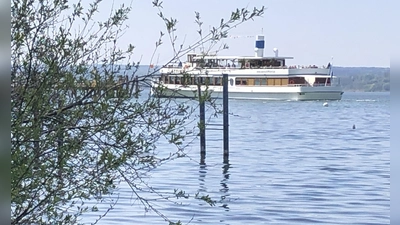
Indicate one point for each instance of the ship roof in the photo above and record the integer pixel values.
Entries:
(241, 57)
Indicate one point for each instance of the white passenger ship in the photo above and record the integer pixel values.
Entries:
(250, 77)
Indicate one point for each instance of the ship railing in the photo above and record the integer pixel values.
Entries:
(306, 67)
(298, 85)
(309, 85)
(321, 84)
(233, 66)
(266, 67)
(172, 66)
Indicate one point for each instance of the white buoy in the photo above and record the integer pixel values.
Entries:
(325, 104)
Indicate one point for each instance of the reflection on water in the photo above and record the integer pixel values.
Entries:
(202, 178)
(225, 189)
(224, 195)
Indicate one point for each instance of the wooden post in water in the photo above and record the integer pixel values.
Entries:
(131, 87)
(202, 125)
(225, 117)
(136, 87)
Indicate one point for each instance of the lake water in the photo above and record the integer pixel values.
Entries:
(290, 163)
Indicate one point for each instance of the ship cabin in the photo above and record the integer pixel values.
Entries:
(183, 74)
(232, 62)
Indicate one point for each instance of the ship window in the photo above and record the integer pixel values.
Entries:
(186, 80)
(250, 81)
(241, 81)
(178, 80)
(208, 81)
(257, 81)
(231, 81)
(217, 80)
(264, 81)
(275, 81)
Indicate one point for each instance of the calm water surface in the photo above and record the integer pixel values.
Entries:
(290, 163)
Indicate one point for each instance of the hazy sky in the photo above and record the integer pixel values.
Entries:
(354, 33)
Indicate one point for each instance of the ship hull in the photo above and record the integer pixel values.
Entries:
(265, 93)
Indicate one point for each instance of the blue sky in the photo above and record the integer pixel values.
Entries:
(354, 33)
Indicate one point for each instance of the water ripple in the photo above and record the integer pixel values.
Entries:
(290, 163)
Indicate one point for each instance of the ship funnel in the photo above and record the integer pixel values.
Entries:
(276, 52)
(259, 49)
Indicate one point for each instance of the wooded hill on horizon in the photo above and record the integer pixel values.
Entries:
(367, 79)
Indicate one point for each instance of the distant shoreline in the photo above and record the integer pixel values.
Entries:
(362, 91)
